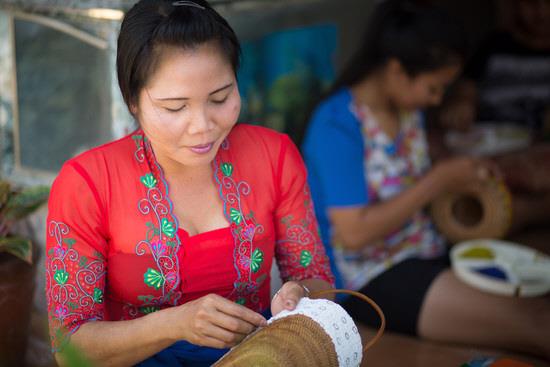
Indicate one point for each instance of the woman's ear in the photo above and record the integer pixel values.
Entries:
(133, 108)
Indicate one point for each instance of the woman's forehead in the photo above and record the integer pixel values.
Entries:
(189, 63)
(183, 73)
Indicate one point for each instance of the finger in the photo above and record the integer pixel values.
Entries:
(277, 305)
(487, 169)
(233, 324)
(220, 338)
(223, 335)
(241, 312)
(291, 293)
(494, 169)
(482, 173)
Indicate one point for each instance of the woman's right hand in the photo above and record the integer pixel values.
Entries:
(455, 173)
(214, 321)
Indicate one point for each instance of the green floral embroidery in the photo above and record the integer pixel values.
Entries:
(149, 181)
(168, 228)
(98, 295)
(227, 169)
(61, 277)
(146, 299)
(83, 261)
(256, 260)
(241, 301)
(69, 242)
(137, 139)
(153, 278)
(305, 258)
(149, 309)
(236, 216)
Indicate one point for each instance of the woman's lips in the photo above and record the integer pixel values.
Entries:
(202, 149)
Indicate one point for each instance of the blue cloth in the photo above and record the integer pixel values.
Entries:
(333, 149)
(185, 354)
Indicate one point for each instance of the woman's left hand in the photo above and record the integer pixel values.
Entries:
(287, 297)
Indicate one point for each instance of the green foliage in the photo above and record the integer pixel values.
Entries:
(23, 203)
(18, 246)
(14, 206)
(73, 357)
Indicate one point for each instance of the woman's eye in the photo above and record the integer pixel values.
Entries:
(219, 101)
(174, 109)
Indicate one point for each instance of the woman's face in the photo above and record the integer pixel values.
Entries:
(534, 16)
(423, 90)
(189, 105)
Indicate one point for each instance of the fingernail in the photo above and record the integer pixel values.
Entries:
(263, 322)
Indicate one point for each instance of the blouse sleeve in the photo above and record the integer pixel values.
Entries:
(75, 254)
(299, 251)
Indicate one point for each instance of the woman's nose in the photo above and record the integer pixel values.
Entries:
(200, 122)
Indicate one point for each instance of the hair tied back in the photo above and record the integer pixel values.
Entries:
(188, 3)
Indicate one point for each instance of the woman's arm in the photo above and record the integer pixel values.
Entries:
(299, 251)
(357, 227)
(121, 343)
(209, 321)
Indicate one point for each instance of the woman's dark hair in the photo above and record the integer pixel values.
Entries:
(422, 38)
(151, 24)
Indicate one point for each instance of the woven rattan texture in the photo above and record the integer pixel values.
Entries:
(496, 212)
(293, 341)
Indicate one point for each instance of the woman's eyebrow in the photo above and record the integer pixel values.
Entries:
(222, 88)
(186, 98)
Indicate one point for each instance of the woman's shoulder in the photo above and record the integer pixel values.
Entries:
(249, 131)
(332, 119)
(96, 161)
(335, 110)
(253, 138)
(260, 147)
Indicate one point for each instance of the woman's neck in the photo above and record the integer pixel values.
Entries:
(191, 177)
(373, 93)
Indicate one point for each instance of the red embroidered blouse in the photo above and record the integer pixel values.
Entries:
(115, 252)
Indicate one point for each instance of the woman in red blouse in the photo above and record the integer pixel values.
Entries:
(160, 244)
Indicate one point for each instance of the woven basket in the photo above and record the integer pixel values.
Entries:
(477, 211)
(298, 340)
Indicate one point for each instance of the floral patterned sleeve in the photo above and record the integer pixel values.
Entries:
(299, 251)
(75, 254)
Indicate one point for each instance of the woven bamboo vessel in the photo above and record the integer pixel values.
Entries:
(296, 341)
(284, 343)
(477, 211)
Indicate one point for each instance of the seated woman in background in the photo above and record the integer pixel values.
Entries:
(160, 244)
(507, 81)
(508, 78)
(370, 177)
